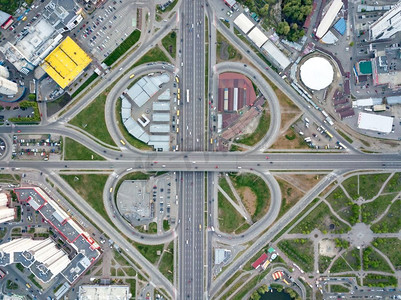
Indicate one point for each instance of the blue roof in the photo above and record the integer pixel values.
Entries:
(340, 26)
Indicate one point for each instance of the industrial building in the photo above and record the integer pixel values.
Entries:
(317, 73)
(386, 68)
(138, 95)
(5, 19)
(36, 42)
(65, 63)
(8, 87)
(328, 18)
(235, 91)
(375, 122)
(387, 25)
(109, 292)
(274, 55)
(84, 249)
(6, 214)
(244, 23)
(257, 37)
(145, 88)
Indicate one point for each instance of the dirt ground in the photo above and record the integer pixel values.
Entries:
(289, 192)
(248, 198)
(283, 143)
(327, 248)
(304, 182)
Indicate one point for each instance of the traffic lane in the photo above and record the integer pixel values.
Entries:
(222, 163)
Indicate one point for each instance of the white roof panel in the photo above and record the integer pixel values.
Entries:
(243, 23)
(279, 57)
(317, 73)
(375, 122)
(328, 18)
(257, 36)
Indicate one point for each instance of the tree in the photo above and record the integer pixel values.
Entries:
(32, 97)
(283, 28)
(264, 10)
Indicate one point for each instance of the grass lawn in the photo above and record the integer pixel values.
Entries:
(258, 187)
(371, 210)
(151, 228)
(10, 6)
(128, 137)
(351, 186)
(391, 222)
(234, 148)
(92, 120)
(337, 288)
(132, 287)
(229, 218)
(391, 248)
(290, 196)
(153, 55)
(343, 205)
(90, 187)
(149, 251)
(340, 265)
(324, 262)
(370, 184)
(170, 43)
(9, 178)
(260, 131)
(300, 251)
(224, 185)
(373, 261)
(123, 47)
(379, 280)
(84, 85)
(345, 136)
(76, 151)
(166, 265)
(233, 53)
(320, 218)
(394, 184)
(166, 225)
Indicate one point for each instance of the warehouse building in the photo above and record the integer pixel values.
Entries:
(65, 63)
(328, 18)
(275, 56)
(244, 23)
(28, 51)
(375, 122)
(6, 214)
(5, 19)
(387, 25)
(257, 37)
(109, 292)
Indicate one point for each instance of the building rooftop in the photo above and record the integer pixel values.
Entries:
(328, 18)
(66, 62)
(80, 240)
(109, 292)
(244, 23)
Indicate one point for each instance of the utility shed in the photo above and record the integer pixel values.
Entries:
(243, 23)
(375, 122)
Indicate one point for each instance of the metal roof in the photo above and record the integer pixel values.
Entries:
(340, 26)
(257, 36)
(375, 122)
(328, 18)
(243, 23)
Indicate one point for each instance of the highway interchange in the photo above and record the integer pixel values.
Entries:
(192, 161)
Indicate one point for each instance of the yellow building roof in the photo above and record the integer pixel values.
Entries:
(66, 62)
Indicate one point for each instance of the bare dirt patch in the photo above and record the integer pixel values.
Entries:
(327, 248)
(248, 197)
(290, 195)
(284, 143)
(304, 182)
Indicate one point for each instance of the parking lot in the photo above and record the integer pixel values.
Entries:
(36, 147)
(110, 24)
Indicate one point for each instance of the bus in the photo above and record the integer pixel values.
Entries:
(178, 91)
(329, 134)
(132, 76)
(187, 95)
(178, 113)
(178, 97)
(177, 80)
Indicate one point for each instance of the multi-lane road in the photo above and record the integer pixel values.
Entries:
(191, 138)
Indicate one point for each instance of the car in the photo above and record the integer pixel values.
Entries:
(267, 157)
